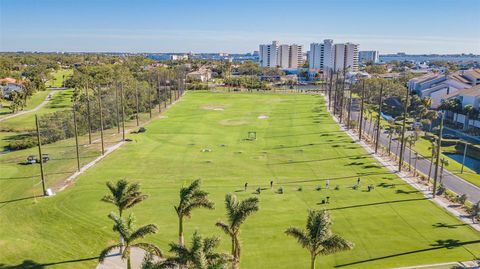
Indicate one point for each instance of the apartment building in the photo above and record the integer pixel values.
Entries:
(369, 56)
(281, 55)
(328, 56)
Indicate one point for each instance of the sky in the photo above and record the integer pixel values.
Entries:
(238, 26)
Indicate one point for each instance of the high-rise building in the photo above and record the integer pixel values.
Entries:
(351, 57)
(369, 56)
(321, 55)
(283, 56)
(295, 56)
(268, 54)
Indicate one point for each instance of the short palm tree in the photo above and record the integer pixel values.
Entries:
(127, 230)
(318, 238)
(124, 195)
(200, 255)
(475, 211)
(191, 197)
(237, 213)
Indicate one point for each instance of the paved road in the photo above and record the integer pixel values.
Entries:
(47, 99)
(451, 181)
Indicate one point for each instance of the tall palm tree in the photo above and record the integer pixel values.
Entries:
(237, 213)
(191, 197)
(127, 230)
(433, 148)
(318, 239)
(124, 195)
(200, 255)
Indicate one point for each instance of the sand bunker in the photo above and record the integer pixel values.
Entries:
(233, 122)
(262, 117)
(213, 107)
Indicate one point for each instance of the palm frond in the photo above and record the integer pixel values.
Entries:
(222, 225)
(143, 231)
(335, 244)
(150, 248)
(298, 234)
(106, 251)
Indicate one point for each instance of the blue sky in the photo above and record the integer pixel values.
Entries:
(412, 26)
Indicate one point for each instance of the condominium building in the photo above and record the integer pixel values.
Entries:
(321, 55)
(369, 56)
(268, 54)
(283, 56)
(328, 56)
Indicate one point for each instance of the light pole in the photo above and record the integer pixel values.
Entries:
(402, 141)
(439, 144)
(464, 156)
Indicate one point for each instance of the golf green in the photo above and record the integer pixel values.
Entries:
(205, 136)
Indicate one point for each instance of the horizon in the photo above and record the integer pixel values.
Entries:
(432, 27)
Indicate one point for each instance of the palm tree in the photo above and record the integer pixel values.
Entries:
(237, 213)
(444, 162)
(191, 197)
(127, 230)
(475, 211)
(468, 110)
(318, 239)
(200, 255)
(124, 195)
(433, 148)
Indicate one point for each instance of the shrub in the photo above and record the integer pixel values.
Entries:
(461, 199)
(259, 190)
(300, 189)
(280, 190)
(337, 188)
(318, 188)
(441, 189)
(25, 143)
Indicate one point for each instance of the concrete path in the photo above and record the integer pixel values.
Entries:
(450, 180)
(114, 260)
(42, 104)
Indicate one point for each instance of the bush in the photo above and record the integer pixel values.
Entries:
(441, 189)
(300, 189)
(318, 188)
(25, 143)
(280, 190)
(259, 190)
(337, 188)
(461, 199)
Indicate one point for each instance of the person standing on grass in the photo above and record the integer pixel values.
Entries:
(271, 184)
(326, 184)
(246, 185)
(358, 182)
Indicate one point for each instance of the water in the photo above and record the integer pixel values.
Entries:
(470, 162)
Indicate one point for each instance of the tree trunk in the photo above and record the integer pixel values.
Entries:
(389, 144)
(180, 231)
(129, 263)
(312, 261)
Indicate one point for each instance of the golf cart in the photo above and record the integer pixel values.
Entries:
(31, 159)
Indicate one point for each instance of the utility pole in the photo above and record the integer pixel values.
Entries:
(123, 112)
(342, 96)
(88, 117)
(379, 117)
(330, 91)
(40, 156)
(76, 138)
(158, 93)
(349, 109)
(361, 112)
(439, 149)
(101, 117)
(117, 109)
(150, 101)
(136, 101)
(335, 95)
(165, 86)
(400, 159)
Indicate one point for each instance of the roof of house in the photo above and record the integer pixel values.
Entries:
(424, 78)
(473, 72)
(11, 81)
(473, 91)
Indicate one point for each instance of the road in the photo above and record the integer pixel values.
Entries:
(450, 180)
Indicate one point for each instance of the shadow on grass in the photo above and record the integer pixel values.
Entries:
(321, 160)
(18, 199)
(439, 244)
(336, 178)
(316, 133)
(29, 264)
(449, 226)
(379, 203)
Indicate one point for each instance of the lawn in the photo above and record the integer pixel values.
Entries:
(35, 100)
(61, 100)
(58, 77)
(298, 145)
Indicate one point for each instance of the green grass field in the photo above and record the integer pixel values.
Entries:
(58, 77)
(298, 145)
(32, 102)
